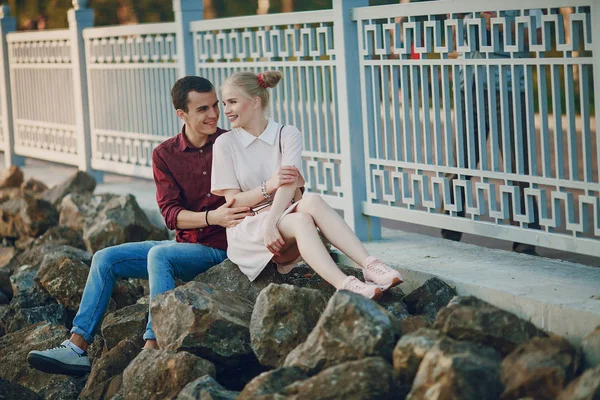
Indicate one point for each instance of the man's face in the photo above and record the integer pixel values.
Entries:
(202, 112)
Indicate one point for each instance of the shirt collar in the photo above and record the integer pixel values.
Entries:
(268, 136)
(184, 144)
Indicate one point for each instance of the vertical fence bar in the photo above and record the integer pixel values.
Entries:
(7, 24)
(353, 172)
(81, 17)
(185, 12)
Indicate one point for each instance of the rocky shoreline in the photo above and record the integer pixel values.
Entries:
(280, 337)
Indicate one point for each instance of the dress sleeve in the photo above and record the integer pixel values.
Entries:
(291, 148)
(223, 170)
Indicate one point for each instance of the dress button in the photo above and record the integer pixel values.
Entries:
(204, 173)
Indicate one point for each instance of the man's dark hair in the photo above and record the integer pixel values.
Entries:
(181, 88)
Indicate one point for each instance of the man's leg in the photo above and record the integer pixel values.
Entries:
(447, 233)
(171, 260)
(128, 260)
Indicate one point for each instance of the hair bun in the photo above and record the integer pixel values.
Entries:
(271, 78)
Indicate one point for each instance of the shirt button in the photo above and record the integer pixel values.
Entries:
(201, 150)
(201, 229)
(204, 173)
(208, 195)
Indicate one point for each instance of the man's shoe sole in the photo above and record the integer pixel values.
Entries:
(52, 366)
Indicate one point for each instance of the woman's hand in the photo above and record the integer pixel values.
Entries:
(273, 240)
(284, 175)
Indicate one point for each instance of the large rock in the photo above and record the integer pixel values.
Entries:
(52, 313)
(11, 390)
(269, 384)
(77, 209)
(413, 323)
(126, 323)
(472, 319)
(120, 221)
(540, 368)
(33, 186)
(26, 293)
(206, 388)
(68, 389)
(367, 379)
(126, 293)
(454, 370)
(36, 253)
(13, 364)
(429, 298)
(105, 379)
(591, 348)
(160, 374)
(59, 236)
(351, 327)
(283, 317)
(80, 182)
(409, 353)
(211, 323)
(12, 177)
(7, 253)
(26, 216)
(64, 279)
(586, 387)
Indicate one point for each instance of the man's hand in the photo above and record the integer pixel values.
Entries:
(284, 175)
(228, 216)
(273, 240)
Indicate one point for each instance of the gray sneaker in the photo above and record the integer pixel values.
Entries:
(60, 360)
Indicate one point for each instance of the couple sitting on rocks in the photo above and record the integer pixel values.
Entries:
(235, 194)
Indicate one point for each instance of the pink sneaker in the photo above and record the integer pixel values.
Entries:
(377, 272)
(352, 284)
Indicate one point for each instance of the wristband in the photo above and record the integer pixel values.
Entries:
(206, 218)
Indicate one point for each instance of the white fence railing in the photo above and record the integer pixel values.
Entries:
(130, 72)
(476, 116)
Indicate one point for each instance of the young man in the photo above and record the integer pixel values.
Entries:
(182, 170)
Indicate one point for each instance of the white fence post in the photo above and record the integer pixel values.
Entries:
(81, 17)
(7, 24)
(186, 11)
(353, 170)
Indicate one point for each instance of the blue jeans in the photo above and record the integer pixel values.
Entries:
(158, 261)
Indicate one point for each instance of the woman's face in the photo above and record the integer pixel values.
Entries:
(238, 108)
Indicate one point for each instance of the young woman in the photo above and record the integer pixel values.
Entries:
(258, 164)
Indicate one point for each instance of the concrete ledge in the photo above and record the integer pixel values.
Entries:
(558, 296)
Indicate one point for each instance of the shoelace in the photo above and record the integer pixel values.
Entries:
(62, 346)
(378, 267)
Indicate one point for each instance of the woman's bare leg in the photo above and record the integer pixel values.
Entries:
(333, 227)
(300, 227)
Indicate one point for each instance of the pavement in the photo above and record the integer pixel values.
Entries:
(560, 294)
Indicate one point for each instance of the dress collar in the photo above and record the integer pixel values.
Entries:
(268, 136)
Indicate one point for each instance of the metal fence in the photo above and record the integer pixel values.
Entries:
(476, 116)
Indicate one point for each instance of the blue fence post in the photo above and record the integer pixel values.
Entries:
(186, 11)
(81, 17)
(7, 24)
(353, 166)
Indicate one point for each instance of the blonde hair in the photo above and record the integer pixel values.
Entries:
(249, 84)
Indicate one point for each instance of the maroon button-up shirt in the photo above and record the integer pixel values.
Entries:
(182, 175)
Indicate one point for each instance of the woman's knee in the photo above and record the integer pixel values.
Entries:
(302, 219)
(312, 202)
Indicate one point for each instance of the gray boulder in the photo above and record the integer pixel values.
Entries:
(351, 327)
(211, 323)
(26, 216)
(77, 209)
(283, 317)
(409, 353)
(429, 298)
(206, 388)
(80, 182)
(160, 374)
(472, 319)
(11, 390)
(454, 370)
(106, 377)
(127, 323)
(64, 279)
(13, 364)
(540, 368)
(269, 385)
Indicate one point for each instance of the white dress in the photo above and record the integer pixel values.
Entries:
(243, 161)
